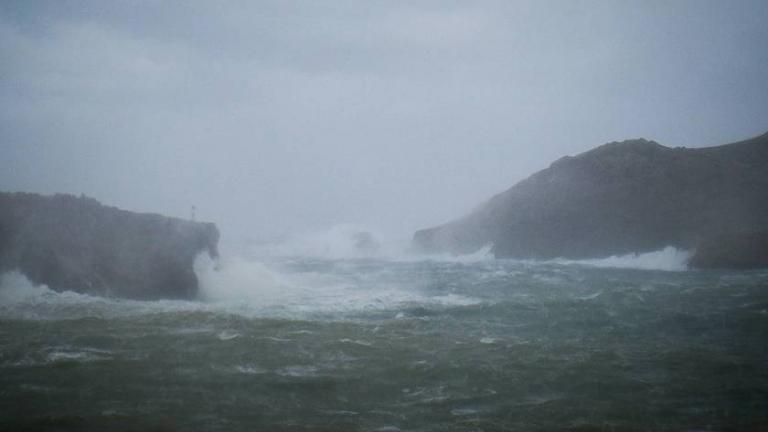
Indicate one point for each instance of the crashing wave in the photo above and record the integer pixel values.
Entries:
(668, 259)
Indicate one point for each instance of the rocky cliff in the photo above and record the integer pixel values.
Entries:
(737, 250)
(77, 244)
(619, 198)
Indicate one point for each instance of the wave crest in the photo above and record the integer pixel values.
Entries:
(667, 259)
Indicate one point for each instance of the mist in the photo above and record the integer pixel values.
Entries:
(359, 215)
(281, 117)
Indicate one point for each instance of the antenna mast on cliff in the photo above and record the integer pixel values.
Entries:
(193, 210)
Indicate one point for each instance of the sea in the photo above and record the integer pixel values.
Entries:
(396, 342)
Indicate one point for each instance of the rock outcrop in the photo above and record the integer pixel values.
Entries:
(77, 244)
(741, 250)
(619, 198)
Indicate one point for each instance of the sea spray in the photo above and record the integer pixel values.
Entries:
(236, 279)
(341, 241)
(16, 288)
(312, 288)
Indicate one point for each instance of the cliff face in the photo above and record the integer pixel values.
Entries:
(738, 250)
(76, 244)
(619, 198)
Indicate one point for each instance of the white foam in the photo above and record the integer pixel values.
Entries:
(228, 335)
(455, 300)
(356, 342)
(20, 299)
(668, 259)
(298, 371)
(240, 286)
(483, 254)
(464, 411)
(252, 287)
(63, 354)
(590, 296)
(81, 355)
(251, 369)
(341, 242)
(237, 286)
(238, 280)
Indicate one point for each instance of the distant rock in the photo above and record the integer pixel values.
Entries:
(77, 244)
(744, 250)
(622, 197)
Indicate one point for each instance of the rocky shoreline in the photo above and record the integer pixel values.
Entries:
(626, 197)
(76, 244)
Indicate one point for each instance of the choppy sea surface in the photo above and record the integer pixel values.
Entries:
(322, 344)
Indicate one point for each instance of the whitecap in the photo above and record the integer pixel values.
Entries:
(228, 335)
(250, 369)
(456, 300)
(463, 411)
(298, 371)
(356, 342)
(590, 296)
(77, 355)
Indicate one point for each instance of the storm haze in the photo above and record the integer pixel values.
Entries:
(360, 215)
(277, 117)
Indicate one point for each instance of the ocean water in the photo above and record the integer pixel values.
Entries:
(397, 344)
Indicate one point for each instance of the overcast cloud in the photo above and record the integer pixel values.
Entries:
(273, 117)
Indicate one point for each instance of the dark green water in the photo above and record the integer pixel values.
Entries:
(367, 345)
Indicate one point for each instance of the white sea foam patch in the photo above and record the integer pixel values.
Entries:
(60, 354)
(21, 299)
(237, 286)
(669, 259)
(78, 355)
(252, 287)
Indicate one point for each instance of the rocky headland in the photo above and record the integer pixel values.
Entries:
(627, 197)
(76, 244)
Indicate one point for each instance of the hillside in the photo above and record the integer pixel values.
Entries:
(619, 198)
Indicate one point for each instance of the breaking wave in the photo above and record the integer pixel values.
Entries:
(351, 241)
(667, 259)
(309, 288)
(336, 289)
(339, 290)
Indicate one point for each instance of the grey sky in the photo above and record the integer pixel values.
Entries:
(273, 117)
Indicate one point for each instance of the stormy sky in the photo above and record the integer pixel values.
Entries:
(273, 117)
